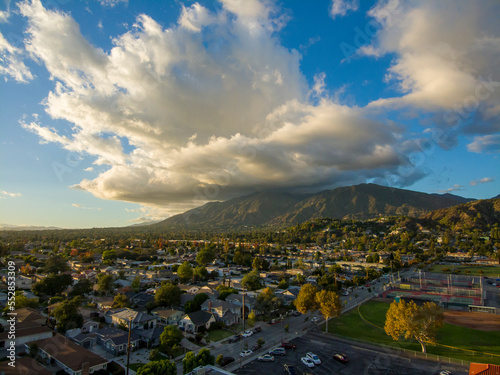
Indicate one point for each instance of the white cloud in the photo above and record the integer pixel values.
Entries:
(342, 7)
(444, 53)
(489, 144)
(77, 205)
(484, 180)
(210, 108)
(5, 14)
(5, 194)
(89, 169)
(112, 3)
(11, 63)
(455, 187)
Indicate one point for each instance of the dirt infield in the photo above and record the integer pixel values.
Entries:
(481, 321)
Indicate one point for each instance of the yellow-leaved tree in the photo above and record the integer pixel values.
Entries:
(406, 319)
(329, 305)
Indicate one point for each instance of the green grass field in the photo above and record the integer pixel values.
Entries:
(489, 271)
(352, 325)
(219, 334)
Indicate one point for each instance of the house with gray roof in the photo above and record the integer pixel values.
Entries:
(137, 319)
(196, 321)
(115, 340)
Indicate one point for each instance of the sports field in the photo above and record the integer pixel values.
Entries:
(454, 341)
(489, 271)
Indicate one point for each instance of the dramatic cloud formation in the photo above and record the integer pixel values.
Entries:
(215, 106)
(445, 53)
(201, 118)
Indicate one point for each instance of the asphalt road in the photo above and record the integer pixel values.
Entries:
(361, 360)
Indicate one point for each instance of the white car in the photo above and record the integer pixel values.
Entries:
(307, 361)
(314, 319)
(247, 334)
(314, 358)
(246, 353)
(445, 372)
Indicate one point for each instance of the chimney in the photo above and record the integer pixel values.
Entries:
(86, 368)
(209, 306)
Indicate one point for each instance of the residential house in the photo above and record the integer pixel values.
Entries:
(23, 282)
(137, 319)
(168, 316)
(150, 337)
(70, 357)
(24, 365)
(196, 321)
(30, 326)
(224, 311)
(237, 299)
(115, 341)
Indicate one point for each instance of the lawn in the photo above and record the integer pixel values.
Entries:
(135, 366)
(352, 325)
(489, 271)
(219, 334)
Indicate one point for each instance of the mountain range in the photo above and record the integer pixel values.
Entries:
(360, 202)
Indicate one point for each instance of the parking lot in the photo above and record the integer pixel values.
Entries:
(361, 361)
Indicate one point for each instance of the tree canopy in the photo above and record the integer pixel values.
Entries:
(406, 319)
(168, 295)
(306, 299)
(52, 285)
(170, 337)
(163, 367)
(252, 280)
(185, 272)
(67, 315)
(329, 305)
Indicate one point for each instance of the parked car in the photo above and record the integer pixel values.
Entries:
(277, 351)
(296, 313)
(342, 358)
(234, 339)
(288, 345)
(257, 329)
(266, 358)
(226, 360)
(445, 372)
(307, 361)
(289, 370)
(246, 353)
(314, 358)
(314, 319)
(247, 334)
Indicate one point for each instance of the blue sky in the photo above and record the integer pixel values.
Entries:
(115, 112)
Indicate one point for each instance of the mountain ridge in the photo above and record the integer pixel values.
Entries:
(359, 202)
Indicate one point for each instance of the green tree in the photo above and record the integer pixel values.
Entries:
(22, 301)
(185, 272)
(195, 303)
(188, 362)
(168, 295)
(163, 367)
(83, 286)
(329, 305)
(155, 355)
(105, 283)
(121, 300)
(406, 319)
(56, 264)
(225, 291)
(260, 342)
(219, 359)
(251, 319)
(136, 284)
(252, 280)
(204, 358)
(200, 273)
(267, 301)
(287, 328)
(52, 285)
(257, 263)
(109, 255)
(205, 256)
(67, 315)
(306, 299)
(170, 337)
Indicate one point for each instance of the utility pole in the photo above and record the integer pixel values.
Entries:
(128, 344)
(243, 309)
